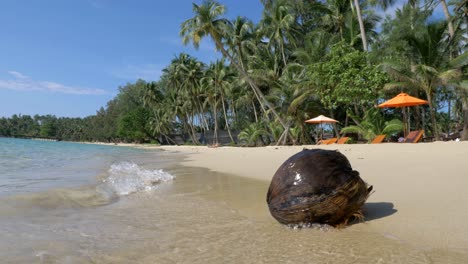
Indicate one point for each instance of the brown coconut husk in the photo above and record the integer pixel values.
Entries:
(327, 190)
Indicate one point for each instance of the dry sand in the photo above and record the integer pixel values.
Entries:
(420, 194)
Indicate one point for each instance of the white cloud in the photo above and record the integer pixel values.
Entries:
(22, 82)
(147, 72)
(18, 75)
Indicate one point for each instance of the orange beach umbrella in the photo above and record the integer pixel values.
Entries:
(403, 100)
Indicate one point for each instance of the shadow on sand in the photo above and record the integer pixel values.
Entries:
(373, 211)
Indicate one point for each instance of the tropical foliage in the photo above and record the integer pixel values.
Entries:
(303, 58)
(374, 123)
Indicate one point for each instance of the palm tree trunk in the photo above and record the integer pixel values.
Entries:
(284, 137)
(283, 55)
(226, 119)
(423, 118)
(465, 118)
(205, 122)
(169, 139)
(406, 128)
(232, 106)
(332, 115)
(449, 115)
(449, 21)
(215, 136)
(192, 132)
(433, 118)
(255, 111)
(361, 25)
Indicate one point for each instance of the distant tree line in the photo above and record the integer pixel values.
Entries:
(302, 59)
(124, 119)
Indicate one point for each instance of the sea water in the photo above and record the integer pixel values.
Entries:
(41, 180)
(77, 203)
(33, 166)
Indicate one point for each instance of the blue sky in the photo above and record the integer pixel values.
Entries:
(68, 57)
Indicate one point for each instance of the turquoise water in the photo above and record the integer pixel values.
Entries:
(31, 166)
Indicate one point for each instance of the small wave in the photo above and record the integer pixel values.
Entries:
(127, 177)
(122, 179)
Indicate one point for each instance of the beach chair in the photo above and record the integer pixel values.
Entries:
(322, 142)
(378, 139)
(327, 141)
(342, 140)
(414, 136)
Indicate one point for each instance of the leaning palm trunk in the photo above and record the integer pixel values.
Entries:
(255, 111)
(449, 20)
(361, 25)
(241, 65)
(252, 84)
(282, 139)
(169, 139)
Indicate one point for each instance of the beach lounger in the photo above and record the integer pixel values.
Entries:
(378, 139)
(327, 141)
(342, 140)
(414, 136)
(322, 142)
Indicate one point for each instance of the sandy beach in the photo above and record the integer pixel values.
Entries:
(420, 193)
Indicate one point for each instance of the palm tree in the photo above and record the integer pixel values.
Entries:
(207, 22)
(192, 73)
(334, 20)
(277, 24)
(217, 82)
(240, 39)
(252, 134)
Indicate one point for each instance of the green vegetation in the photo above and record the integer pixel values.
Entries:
(374, 124)
(302, 59)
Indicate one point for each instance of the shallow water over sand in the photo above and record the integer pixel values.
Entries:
(200, 217)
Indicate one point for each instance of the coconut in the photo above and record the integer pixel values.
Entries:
(317, 186)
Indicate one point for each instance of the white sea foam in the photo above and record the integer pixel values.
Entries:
(127, 177)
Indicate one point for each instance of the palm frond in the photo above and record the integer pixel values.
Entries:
(393, 126)
(450, 76)
(459, 61)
